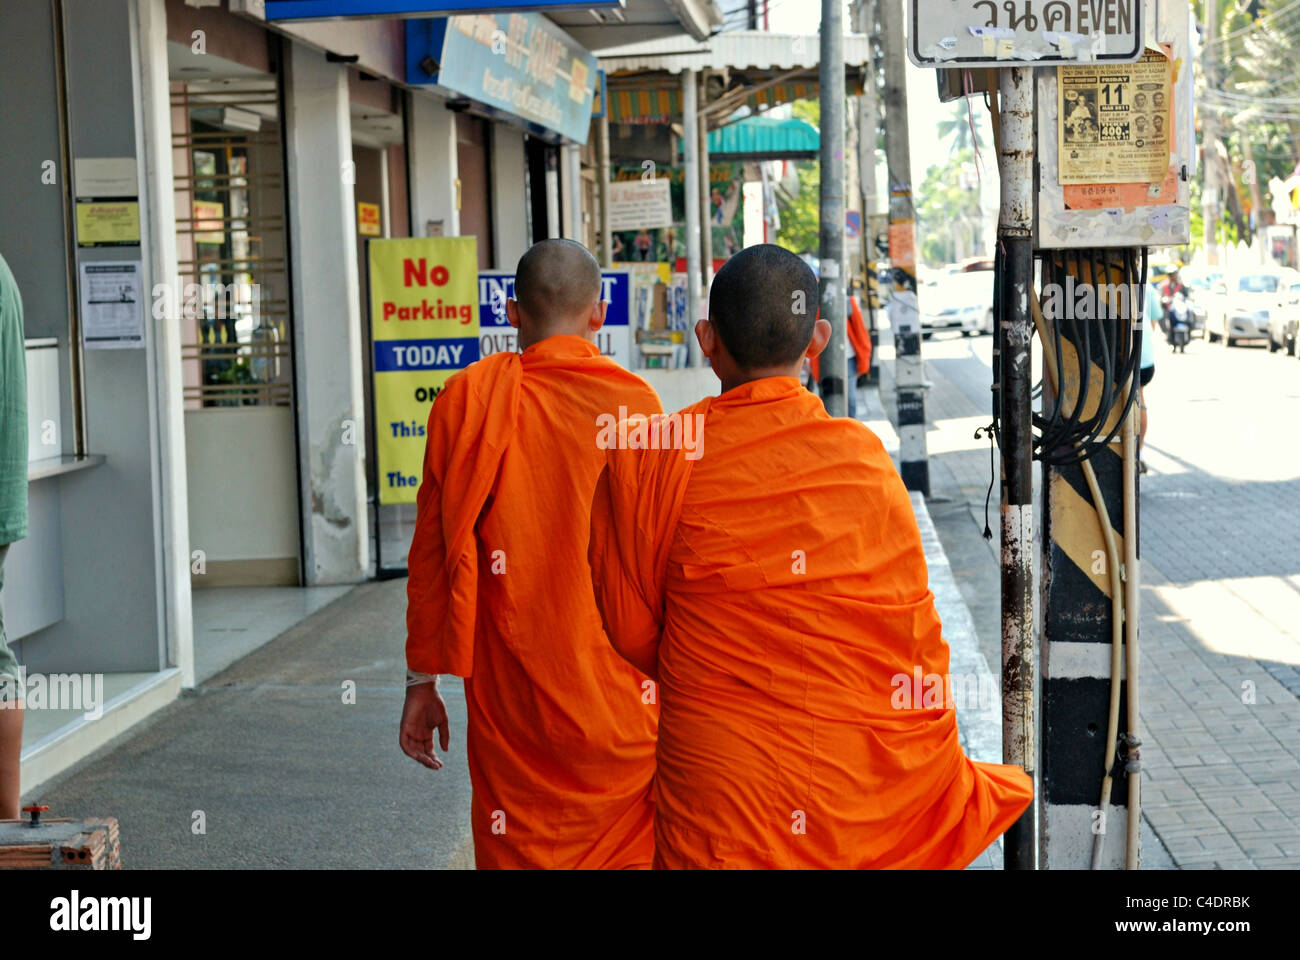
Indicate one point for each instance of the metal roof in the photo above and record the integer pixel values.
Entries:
(737, 50)
(638, 21)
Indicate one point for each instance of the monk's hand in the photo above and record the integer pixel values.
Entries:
(423, 712)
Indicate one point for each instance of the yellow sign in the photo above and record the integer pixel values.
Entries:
(424, 324)
(368, 219)
(108, 223)
(1115, 122)
(209, 225)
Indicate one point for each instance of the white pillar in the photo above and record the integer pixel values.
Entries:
(433, 167)
(327, 319)
(509, 199)
(691, 200)
(706, 208)
(162, 276)
(571, 164)
(602, 192)
(552, 195)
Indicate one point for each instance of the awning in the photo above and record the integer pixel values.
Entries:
(765, 138)
(756, 69)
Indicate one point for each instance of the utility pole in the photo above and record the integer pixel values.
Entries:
(691, 201)
(1209, 139)
(1015, 285)
(864, 14)
(834, 359)
(904, 310)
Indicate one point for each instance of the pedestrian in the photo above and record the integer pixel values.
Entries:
(561, 731)
(777, 590)
(1151, 314)
(13, 521)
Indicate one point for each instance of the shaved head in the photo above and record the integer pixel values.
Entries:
(556, 284)
(763, 303)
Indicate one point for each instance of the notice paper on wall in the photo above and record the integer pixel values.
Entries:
(112, 305)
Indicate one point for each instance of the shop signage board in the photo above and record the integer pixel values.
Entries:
(424, 326)
(614, 339)
(640, 204)
(982, 33)
(517, 63)
(335, 9)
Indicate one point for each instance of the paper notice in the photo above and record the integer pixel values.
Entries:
(1115, 122)
(112, 305)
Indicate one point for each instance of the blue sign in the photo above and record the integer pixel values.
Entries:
(518, 63)
(495, 287)
(333, 9)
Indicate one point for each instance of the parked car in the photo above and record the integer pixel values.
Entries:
(1239, 306)
(1284, 322)
(1199, 283)
(958, 301)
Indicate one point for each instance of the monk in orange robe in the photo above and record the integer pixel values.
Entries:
(772, 582)
(561, 729)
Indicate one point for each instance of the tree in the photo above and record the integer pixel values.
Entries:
(958, 126)
(947, 210)
(801, 213)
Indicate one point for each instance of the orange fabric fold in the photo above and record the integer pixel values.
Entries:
(561, 729)
(777, 589)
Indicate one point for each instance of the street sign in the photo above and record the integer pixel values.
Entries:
(981, 33)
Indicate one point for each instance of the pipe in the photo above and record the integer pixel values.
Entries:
(1132, 587)
(1116, 591)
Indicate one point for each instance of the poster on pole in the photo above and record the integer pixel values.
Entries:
(424, 327)
(1115, 124)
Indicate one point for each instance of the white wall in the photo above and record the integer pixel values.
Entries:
(327, 319)
(242, 486)
(433, 166)
(509, 198)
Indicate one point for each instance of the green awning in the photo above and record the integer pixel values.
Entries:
(765, 138)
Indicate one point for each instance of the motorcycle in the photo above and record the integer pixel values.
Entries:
(1180, 323)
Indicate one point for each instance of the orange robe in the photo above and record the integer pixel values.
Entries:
(859, 337)
(561, 729)
(776, 589)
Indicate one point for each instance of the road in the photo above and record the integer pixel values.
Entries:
(1220, 545)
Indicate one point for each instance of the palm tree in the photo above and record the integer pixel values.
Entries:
(958, 126)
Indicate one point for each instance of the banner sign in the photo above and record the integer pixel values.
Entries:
(614, 339)
(335, 9)
(425, 327)
(518, 63)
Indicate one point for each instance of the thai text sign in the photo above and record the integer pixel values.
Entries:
(982, 33)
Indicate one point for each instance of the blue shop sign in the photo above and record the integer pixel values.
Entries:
(517, 63)
(614, 339)
(334, 9)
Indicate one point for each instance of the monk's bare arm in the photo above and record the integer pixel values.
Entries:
(630, 624)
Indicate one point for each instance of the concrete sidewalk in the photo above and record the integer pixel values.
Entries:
(278, 768)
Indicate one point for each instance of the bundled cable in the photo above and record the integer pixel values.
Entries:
(1107, 335)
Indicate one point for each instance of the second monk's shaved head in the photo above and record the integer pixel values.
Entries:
(556, 281)
(763, 304)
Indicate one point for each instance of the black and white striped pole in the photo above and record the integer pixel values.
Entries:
(904, 309)
(1015, 325)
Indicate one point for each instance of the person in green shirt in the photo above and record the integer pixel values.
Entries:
(13, 520)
